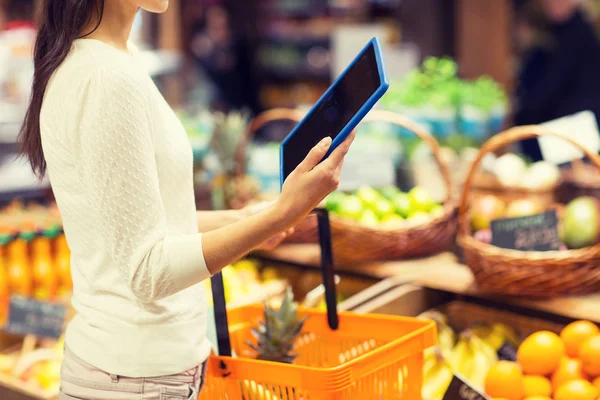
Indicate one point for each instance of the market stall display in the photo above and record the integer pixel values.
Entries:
(449, 107)
(550, 366)
(519, 272)
(511, 177)
(34, 255)
(326, 367)
(430, 229)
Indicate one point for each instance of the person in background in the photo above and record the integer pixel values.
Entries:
(224, 57)
(561, 78)
(121, 168)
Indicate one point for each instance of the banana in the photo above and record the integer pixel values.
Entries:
(472, 358)
(509, 333)
(446, 336)
(437, 375)
(496, 334)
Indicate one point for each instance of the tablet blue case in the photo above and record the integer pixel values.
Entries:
(362, 112)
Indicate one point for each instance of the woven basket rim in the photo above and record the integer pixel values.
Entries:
(468, 242)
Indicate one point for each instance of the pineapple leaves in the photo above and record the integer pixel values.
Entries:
(277, 333)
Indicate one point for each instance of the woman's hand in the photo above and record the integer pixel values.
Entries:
(312, 180)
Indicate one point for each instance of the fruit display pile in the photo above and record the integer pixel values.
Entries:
(578, 225)
(513, 171)
(493, 360)
(34, 256)
(38, 370)
(387, 207)
(470, 353)
(551, 366)
(244, 279)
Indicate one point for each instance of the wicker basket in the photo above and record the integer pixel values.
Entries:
(526, 273)
(582, 179)
(355, 243)
(485, 183)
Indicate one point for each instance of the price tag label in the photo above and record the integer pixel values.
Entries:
(459, 389)
(534, 233)
(32, 317)
(581, 127)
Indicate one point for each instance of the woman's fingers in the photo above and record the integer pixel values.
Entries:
(315, 155)
(337, 156)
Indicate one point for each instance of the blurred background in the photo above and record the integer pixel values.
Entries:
(464, 71)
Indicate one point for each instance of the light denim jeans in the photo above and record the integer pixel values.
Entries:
(81, 381)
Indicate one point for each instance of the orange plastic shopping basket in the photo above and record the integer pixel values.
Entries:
(367, 357)
(340, 355)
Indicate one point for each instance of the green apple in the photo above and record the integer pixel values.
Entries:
(389, 192)
(419, 217)
(368, 196)
(369, 218)
(420, 200)
(350, 207)
(401, 203)
(436, 211)
(383, 207)
(392, 220)
(333, 201)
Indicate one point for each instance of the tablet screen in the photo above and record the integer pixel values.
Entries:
(334, 111)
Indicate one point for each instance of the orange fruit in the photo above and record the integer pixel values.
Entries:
(536, 385)
(505, 380)
(574, 334)
(596, 382)
(589, 354)
(568, 370)
(537, 398)
(540, 353)
(576, 390)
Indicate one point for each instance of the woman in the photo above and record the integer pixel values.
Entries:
(561, 80)
(121, 170)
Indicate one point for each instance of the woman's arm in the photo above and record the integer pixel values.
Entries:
(211, 220)
(120, 178)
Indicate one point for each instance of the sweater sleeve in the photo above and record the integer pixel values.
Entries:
(119, 173)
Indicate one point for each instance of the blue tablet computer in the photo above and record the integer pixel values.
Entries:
(339, 110)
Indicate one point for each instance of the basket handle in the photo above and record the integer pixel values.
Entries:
(275, 114)
(407, 123)
(502, 139)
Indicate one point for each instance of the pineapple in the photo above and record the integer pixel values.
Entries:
(229, 135)
(278, 332)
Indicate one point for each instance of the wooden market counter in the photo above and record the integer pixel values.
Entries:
(442, 271)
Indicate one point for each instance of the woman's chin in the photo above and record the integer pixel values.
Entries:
(154, 6)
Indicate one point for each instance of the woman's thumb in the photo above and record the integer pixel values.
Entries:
(315, 155)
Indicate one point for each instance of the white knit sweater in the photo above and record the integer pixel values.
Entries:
(120, 165)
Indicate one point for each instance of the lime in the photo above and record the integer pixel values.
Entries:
(419, 217)
(350, 207)
(436, 211)
(389, 192)
(392, 220)
(368, 196)
(401, 203)
(368, 218)
(383, 208)
(333, 201)
(420, 200)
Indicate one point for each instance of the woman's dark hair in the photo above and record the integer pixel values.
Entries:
(62, 21)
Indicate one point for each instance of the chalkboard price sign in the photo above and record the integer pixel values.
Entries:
(32, 317)
(459, 389)
(531, 233)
